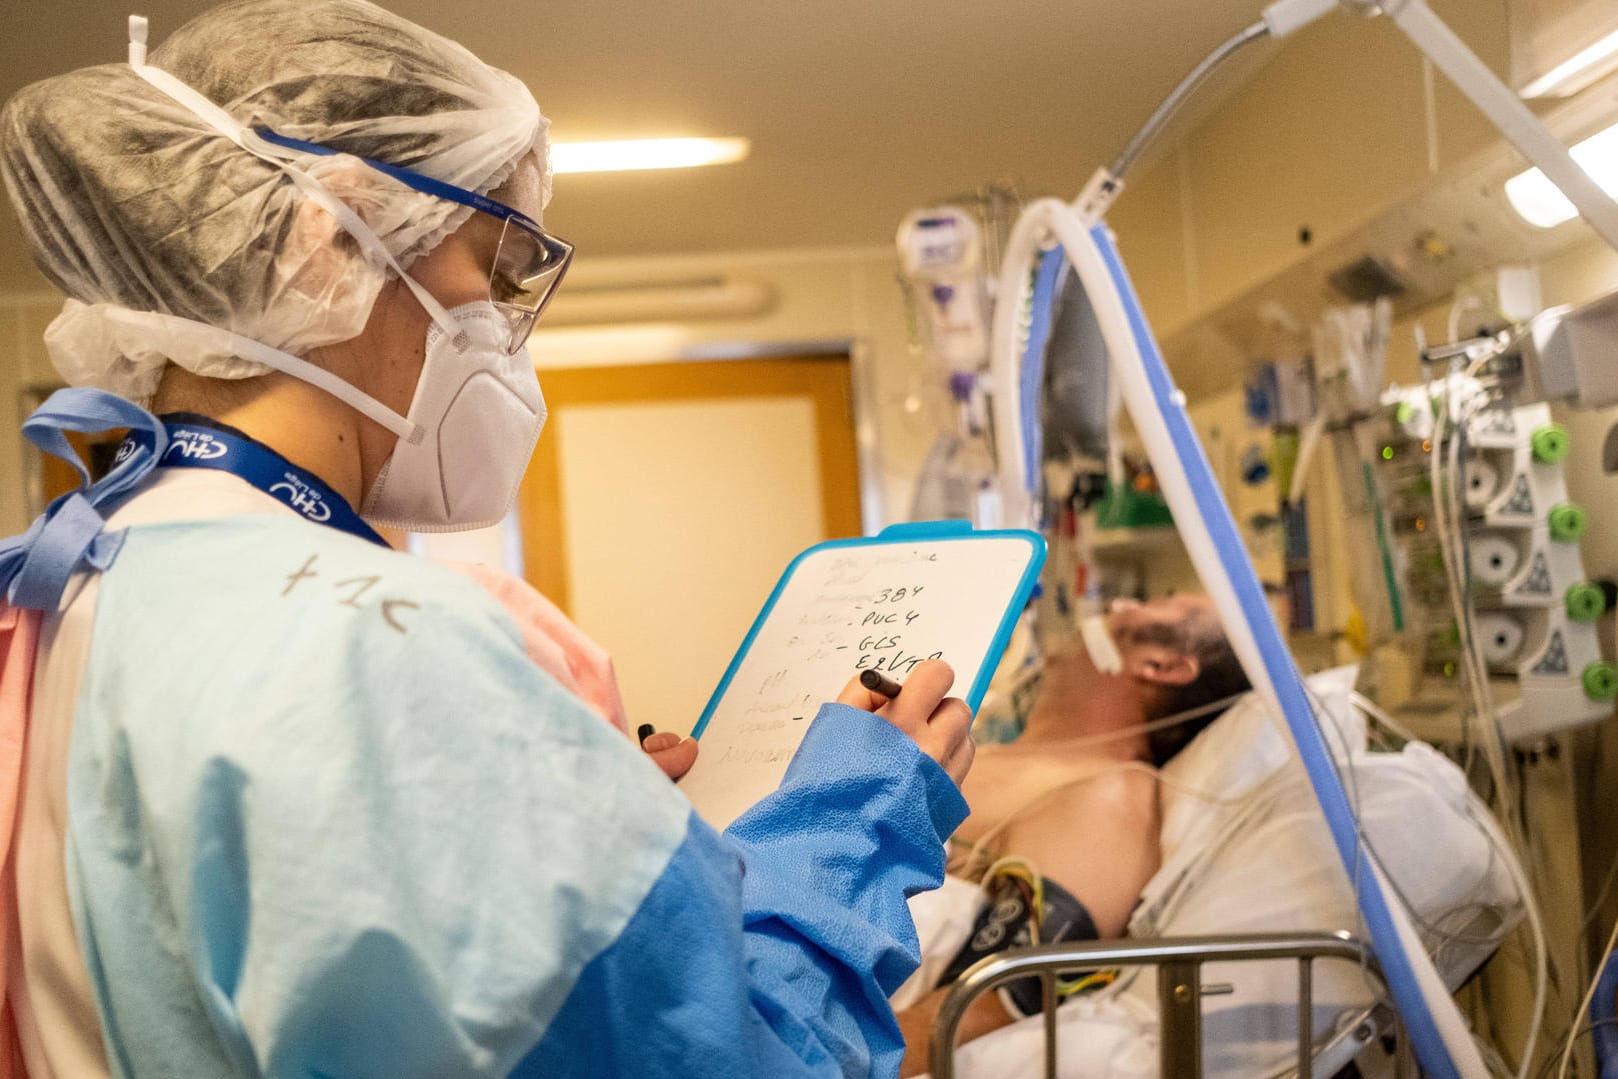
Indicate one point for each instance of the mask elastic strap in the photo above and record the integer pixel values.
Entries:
(285, 362)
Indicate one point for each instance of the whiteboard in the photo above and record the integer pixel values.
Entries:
(914, 592)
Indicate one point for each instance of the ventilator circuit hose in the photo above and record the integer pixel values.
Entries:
(1443, 1044)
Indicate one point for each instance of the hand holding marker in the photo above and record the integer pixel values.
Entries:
(877, 682)
(940, 725)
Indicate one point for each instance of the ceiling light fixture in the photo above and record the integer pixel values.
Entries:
(626, 155)
(1578, 71)
(1539, 202)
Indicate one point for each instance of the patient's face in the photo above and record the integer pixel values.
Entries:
(1156, 643)
(1152, 638)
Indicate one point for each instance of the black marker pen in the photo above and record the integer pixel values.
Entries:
(877, 682)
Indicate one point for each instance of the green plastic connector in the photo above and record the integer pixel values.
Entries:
(1585, 603)
(1403, 412)
(1600, 681)
(1550, 444)
(1567, 521)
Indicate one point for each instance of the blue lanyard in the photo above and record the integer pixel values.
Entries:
(194, 446)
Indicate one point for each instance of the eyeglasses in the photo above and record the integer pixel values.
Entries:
(529, 263)
(528, 266)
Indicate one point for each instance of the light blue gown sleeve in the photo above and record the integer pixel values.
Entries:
(406, 854)
(771, 950)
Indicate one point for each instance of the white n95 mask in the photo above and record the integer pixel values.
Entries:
(480, 412)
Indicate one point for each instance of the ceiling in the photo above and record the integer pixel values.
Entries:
(858, 110)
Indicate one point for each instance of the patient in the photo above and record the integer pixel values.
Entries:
(1072, 801)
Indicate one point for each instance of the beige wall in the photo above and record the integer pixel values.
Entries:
(1345, 123)
(678, 543)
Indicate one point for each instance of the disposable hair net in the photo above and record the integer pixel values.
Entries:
(144, 215)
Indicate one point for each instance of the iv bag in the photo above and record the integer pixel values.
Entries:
(958, 482)
(941, 252)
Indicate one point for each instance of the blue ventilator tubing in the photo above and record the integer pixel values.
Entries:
(1283, 674)
(1047, 286)
(1603, 1016)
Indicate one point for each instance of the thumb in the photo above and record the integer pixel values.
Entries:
(673, 754)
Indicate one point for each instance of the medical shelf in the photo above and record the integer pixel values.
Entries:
(1112, 539)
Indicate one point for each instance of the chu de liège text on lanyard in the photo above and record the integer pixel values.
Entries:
(193, 445)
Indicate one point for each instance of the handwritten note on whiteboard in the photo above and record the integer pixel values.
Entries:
(913, 593)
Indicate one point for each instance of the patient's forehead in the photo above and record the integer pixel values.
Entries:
(1168, 612)
(1183, 606)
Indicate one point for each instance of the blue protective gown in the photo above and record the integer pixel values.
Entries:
(327, 819)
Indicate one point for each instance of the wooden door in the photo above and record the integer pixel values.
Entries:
(664, 500)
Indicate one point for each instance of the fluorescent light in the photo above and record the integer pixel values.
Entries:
(1577, 72)
(627, 154)
(1540, 202)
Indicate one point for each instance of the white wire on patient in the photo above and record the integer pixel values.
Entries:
(975, 852)
(1131, 731)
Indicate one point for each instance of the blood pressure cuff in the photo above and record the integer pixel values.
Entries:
(1006, 922)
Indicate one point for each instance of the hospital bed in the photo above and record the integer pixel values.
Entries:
(1180, 990)
(1246, 855)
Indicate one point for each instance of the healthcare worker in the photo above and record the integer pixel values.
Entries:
(282, 801)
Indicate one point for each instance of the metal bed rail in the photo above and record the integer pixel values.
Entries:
(1179, 989)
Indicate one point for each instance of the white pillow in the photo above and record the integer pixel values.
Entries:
(1240, 750)
(1274, 867)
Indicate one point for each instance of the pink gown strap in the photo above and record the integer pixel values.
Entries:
(553, 642)
(19, 641)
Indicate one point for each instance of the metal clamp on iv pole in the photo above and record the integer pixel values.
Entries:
(1440, 1035)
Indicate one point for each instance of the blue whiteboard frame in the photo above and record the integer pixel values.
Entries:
(930, 531)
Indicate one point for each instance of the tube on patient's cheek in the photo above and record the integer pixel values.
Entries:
(1098, 642)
